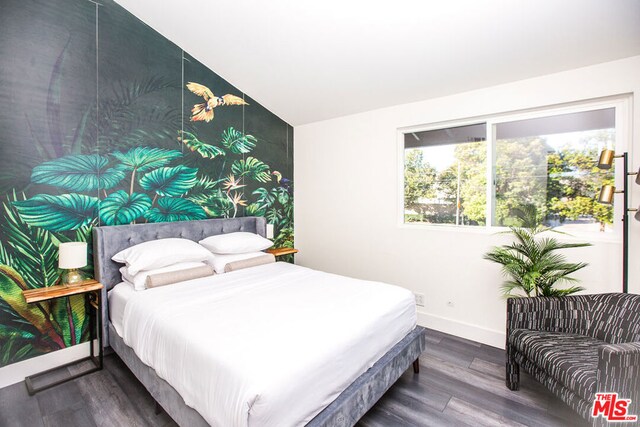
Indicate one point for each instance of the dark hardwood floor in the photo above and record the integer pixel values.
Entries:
(461, 383)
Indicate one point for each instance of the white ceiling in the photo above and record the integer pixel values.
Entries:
(309, 61)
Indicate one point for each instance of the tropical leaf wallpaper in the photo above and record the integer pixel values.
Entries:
(104, 122)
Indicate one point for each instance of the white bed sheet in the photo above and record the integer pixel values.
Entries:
(118, 297)
(271, 345)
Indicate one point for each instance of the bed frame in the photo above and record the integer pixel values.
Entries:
(348, 407)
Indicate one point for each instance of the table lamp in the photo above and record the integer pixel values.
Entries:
(72, 256)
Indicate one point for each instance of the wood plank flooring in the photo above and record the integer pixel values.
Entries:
(461, 383)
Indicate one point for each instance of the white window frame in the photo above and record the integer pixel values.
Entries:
(623, 135)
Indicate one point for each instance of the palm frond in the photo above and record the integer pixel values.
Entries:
(31, 250)
(534, 266)
(554, 292)
(15, 349)
(127, 116)
(527, 214)
(510, 286)
(549, 244)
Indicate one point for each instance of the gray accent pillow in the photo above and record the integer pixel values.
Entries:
(251, 262)
(161, 279)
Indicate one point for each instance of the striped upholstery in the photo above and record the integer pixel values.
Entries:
(581, 406)
(616, 319)
(570, 359)
(577, 346)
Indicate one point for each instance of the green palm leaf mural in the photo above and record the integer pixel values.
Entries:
(58, 213)
(273, 215)
(236, 142)
(254, 209)
(265, 199)
(170, 182)
(122, 208)
(71, 313)
(78, 173)
(130, 113)
(144, 158)
(252, 168)
(205, 185)
(207, 151)
(277, 206)
(32, 256)
(11, 287)
(282, 195)
(7, 332)
(264, 196)
(114, 161)
(16, 346)
(215, 203)
(175, 209)
(33, 251)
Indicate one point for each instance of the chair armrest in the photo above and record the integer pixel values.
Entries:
(571, 314)
(619, 372)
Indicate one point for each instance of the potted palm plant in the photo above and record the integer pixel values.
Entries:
(533, 264)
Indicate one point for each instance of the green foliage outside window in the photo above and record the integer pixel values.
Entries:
(562, 183)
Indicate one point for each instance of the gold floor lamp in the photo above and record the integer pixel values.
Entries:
(606, 197)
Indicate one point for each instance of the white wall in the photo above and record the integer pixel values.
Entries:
(346, 210)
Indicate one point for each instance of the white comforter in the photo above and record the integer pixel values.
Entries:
(266, 346)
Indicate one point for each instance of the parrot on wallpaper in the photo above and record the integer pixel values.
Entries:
(204, 110)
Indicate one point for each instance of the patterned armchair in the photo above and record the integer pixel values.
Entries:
(577, 346)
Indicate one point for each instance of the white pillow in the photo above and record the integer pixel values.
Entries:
(161, 253)
(220, 261)
(236, 243)
(138, 280)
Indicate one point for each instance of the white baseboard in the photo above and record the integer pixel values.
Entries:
(461, 329)
(17, 372)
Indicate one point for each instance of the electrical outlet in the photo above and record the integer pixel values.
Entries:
(419, 299)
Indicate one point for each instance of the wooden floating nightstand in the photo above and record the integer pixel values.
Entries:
(282, 251)
(92, 291)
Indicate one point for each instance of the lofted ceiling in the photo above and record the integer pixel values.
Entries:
(309, 61)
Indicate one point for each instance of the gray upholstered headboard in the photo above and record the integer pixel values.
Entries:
(107, 241)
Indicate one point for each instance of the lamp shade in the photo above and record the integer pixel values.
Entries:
(606, 194)
(72, 255)
(606, 159)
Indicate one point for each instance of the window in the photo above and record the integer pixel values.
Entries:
(548, 166)
(514, 170)
(445, 175)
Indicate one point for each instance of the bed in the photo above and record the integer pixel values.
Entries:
(303, 378)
